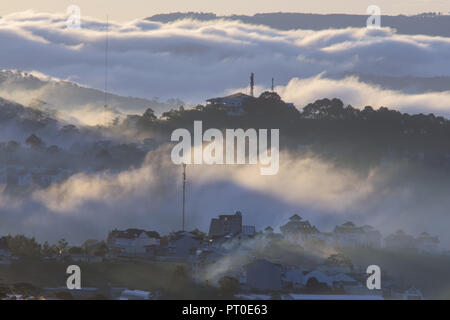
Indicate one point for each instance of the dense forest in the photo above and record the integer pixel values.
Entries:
(325, 127)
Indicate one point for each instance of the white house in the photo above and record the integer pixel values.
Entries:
(233, 103)
(132, 242)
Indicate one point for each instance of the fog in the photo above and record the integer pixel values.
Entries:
(89, 205)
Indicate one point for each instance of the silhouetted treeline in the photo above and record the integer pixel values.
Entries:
(327, 127)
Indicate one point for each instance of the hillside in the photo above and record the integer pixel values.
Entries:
(68, 98)
(325, 127)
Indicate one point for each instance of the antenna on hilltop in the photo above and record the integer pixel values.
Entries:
(106, 71)
(252, 84)
(184, 193)
(272, 85)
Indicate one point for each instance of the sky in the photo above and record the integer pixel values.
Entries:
(132, 9)
(176, 60)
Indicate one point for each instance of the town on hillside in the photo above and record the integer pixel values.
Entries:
(231, 260)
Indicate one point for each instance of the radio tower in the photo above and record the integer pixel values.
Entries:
(184, 193)
(272, 85)
(252, 84)
(106, 72)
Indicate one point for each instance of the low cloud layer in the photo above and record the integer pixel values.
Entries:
(359, 94)
(194, 60)
(89, 205)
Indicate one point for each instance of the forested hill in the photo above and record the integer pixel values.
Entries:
(325, 126)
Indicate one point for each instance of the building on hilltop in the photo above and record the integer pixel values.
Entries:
(233, 104)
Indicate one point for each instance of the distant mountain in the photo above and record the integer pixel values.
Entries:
(28, 119)
(426, 24)
(407, 84)
(67, 97)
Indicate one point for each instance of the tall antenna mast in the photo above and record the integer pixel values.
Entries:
(106, 70)
(184, 193)
(252, 84)
(272, 85)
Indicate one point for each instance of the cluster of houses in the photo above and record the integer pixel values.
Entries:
(227, 233)
(300, 231)
(229, 243)
(228, 250)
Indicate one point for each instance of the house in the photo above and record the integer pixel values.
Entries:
(228, 232)
(319, 276)
(337, 263)
(183, 244)
(297, 230)
(226, 224)
(334, 281)
(297, 225)
(5, 253)
(210, 255)
(349, 235)
(344, 281)
(427, 243)
(400, 240)
(372, 237)
(232, 103)
(128, 294)
(293, 278)
(263, 275)
(132, 242)
(211, 264)
(412, 294)
(248, 230)
(268, 230)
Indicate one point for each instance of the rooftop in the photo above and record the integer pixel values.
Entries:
(133, 233)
